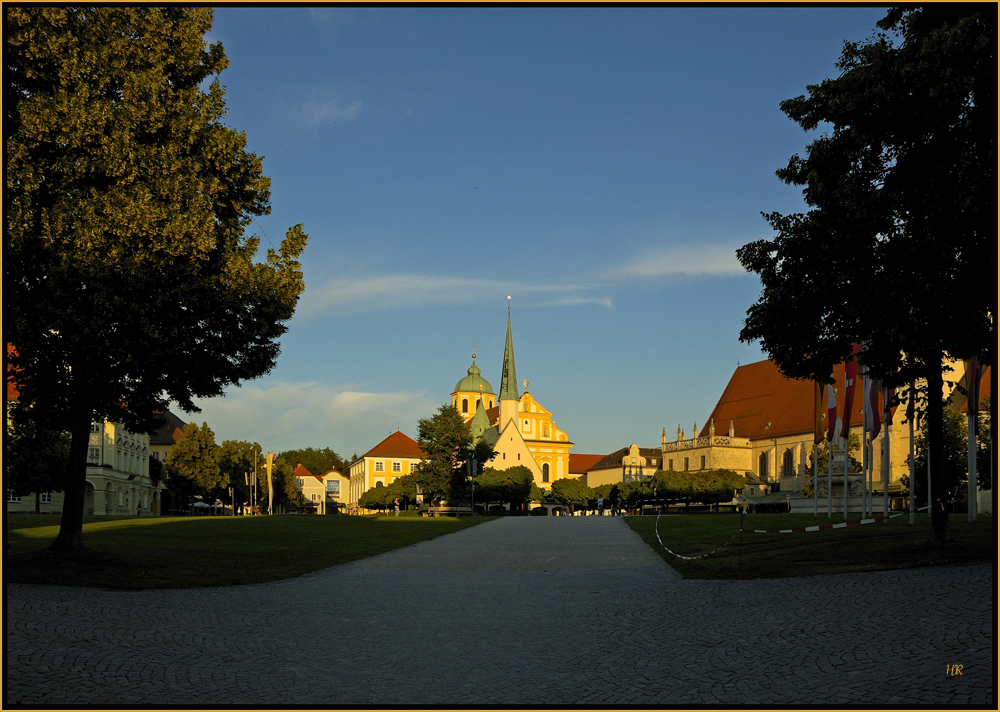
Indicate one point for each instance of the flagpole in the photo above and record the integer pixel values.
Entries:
(815, 478)
(913, 488)
(864, 467)
(885, 469)
(972, 408)
(972, 466)
(829, 475)
(847, 449)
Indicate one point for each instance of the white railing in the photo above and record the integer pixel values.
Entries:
(716, 441)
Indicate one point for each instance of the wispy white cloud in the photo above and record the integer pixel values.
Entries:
(704, 260)
(394, 291)
(571, 302)
(316, 112)
(285, 414)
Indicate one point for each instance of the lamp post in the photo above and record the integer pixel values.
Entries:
(473, 469)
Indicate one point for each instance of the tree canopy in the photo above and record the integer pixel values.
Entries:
(35, 458)
(897, 250)
(193, 463)
(448, 446)
(128, 279)
(317, 460)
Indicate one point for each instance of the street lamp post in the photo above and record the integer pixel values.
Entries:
(473, 469)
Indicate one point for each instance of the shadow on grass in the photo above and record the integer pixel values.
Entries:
(193, 552)
(888, 545)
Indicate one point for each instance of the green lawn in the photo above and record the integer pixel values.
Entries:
(894, 544)
(189, 552)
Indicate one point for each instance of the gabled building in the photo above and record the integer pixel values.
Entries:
(392, 458)
(163, 439)
(628, 463)
(321, 492)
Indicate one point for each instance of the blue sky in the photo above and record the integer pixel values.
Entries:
(600, 165)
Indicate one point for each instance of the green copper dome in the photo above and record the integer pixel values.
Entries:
(472, 382)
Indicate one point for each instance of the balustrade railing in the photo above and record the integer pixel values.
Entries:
(716, 441)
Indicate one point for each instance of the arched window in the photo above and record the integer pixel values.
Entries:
(762, 466)
(545, 472)
(465, 405)
(787, 467)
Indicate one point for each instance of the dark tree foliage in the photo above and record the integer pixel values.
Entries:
(35, 458)
(512, 485)
(317, 460)
(448, 446)
(898, 249)
(128, 280)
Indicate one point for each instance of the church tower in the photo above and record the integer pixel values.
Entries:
(509, 397)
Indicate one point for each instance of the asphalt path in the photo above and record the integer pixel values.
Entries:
(520, 611)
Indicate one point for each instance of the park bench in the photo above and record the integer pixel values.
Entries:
(450, 511)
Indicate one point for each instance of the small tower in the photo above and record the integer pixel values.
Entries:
(471, 390)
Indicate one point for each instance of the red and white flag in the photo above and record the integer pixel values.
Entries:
(850, 377)
(872, 417)
(818, 415)
(831, 411)
(972, 378)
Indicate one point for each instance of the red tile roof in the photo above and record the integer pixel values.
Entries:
(579, 463)
(170, 432)
(758, 396)
(301, 471)
(397, 445)
(12, 393)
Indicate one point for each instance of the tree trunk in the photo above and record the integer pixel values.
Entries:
(70, 537)
(937, 498)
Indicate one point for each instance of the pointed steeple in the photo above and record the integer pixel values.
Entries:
(509, 398)
(508, 380)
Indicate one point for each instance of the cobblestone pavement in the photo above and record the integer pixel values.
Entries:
(518, 611)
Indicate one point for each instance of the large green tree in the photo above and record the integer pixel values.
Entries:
(128, 280)
(572, 492)
(448, 446)
(193, 464)
(897, 250)
(513, 485)
(238, 460)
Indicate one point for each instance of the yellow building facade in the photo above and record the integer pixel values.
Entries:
(392, 458)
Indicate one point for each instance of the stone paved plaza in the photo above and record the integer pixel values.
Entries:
(519, 611)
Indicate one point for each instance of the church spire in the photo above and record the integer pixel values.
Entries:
(508, 380)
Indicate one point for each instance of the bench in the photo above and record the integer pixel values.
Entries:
(450, 511)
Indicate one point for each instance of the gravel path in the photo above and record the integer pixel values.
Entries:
(518, 611)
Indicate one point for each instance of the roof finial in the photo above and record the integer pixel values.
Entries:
(508, 302)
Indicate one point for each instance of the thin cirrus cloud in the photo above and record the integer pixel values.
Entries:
(702, 261)
(317, 112)
(299, 414)
(397, 291)
(406, 290)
